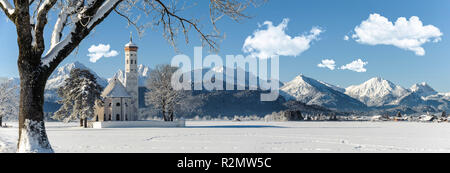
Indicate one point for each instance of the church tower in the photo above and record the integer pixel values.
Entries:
(131, 77)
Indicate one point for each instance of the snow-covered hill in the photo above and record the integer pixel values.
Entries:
(377, 92)
(314, 92)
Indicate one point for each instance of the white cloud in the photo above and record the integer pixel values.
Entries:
(97, 52)
(357, 65)
(327, 63)
(406, 34)
(346, 38)
(273, 41)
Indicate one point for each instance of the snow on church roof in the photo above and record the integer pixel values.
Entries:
(131, 44)
(115, 89)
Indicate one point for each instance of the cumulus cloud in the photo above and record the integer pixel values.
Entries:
(100, 51)
(327, 63)
(405, 34)
(273, 41)
(357, 65)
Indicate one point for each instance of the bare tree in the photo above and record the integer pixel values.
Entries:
(79, 18)
(161, 94)
(8, 100)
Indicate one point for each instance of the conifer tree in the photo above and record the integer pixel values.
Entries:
(79, 94)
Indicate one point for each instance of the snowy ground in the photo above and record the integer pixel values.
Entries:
(249, 136)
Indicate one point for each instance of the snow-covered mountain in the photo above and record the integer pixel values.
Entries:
(58, 77)
(313, 92)
(377, 92)
(143, 72)
(423, 89)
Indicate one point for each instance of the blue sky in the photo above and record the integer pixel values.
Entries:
(335, 18)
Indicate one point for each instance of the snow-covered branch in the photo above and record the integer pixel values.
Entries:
(41, 21)
(106, 7)
(7, 7)
(61, 22)
(85, 20)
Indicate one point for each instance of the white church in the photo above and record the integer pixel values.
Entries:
(119, 106)
(120, 101)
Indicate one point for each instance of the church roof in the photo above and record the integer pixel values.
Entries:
(115, 89)
(130, 44)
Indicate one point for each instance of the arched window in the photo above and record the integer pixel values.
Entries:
(126, 117)
(117, 104)
(109, 117)
(117, 117)
(96, 118)
(109, 104)
(104, 117)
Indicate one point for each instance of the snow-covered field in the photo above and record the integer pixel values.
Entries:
(248, 136)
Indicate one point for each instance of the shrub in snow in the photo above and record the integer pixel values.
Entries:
(287, 115)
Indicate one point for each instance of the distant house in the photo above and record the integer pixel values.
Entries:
(427, 117)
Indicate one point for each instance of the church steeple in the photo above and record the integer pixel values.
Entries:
(131, 37)
(131, 76)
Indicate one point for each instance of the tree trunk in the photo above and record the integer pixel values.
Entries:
(32, 134)
(171, 115)
(81, 122)
(85, 122)
(164, 115)
(1, 121)
(164, 112)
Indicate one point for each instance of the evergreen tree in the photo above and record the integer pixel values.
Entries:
(79, 94)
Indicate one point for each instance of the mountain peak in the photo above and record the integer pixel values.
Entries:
(376, 92)
(423, 89)
(314, 92)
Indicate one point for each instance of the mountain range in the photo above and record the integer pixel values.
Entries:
(377, 95)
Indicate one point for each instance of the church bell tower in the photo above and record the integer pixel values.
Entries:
(131, 77)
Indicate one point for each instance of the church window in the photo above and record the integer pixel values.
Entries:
(104, 117)
(117, 117)
(126, 117)
(117, 104)
(109, 104)
(109, 117)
